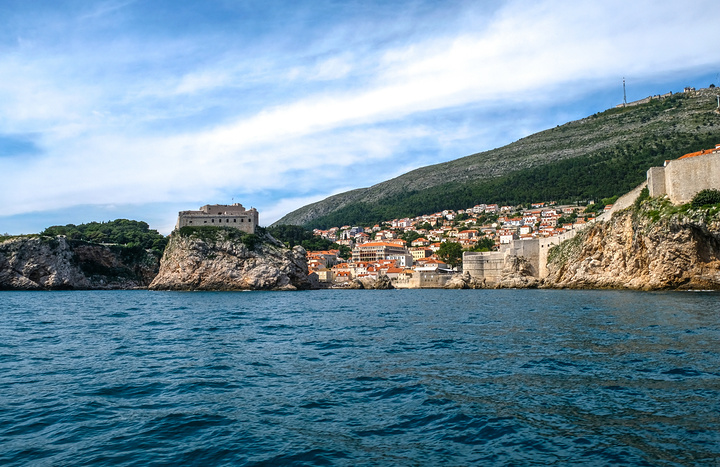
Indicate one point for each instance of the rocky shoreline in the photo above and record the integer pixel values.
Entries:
(58, 263)
(655, 246)
(227, 259)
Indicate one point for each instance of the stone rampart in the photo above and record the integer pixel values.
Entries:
(623, 202)
(681, 179)
(490, 266)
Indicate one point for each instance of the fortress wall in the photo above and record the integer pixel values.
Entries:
(489, 265)
(544, 247)
(656, 181)
(484, 265)
(684, 178)
(626, 200)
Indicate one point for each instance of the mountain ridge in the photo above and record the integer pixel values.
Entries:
(661, 126)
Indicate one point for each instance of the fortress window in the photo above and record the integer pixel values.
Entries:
(212, 220)
(234, 220)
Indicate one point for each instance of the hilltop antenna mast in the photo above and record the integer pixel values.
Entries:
(624, 95)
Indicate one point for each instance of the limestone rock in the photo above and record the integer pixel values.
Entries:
(355, 284)
(634, 251)
(383, 282)
(518, 273)
(37, 263)
(222, 261)
(464, 281)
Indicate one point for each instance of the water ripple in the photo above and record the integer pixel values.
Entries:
(428, 377)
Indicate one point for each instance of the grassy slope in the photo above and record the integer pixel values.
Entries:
(600, 156)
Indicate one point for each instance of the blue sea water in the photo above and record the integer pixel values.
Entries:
(334, 377)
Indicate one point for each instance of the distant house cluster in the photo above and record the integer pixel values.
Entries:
(221, 215)
(380, 250)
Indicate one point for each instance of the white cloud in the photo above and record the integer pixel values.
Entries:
(122, 123)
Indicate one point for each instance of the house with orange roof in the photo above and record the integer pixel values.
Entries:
(325, 275)
(342, 276)
(420, 252)
(420, 242)
(374, 251)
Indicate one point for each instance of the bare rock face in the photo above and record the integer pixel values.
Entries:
(225, 260)
(383, 282)
(38, 263)
(518, 273)
(636, 251)
(464, 281)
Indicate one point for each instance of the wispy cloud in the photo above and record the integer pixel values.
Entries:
(140, 105)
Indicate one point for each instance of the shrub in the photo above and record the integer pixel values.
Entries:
(644, 195)
(705, 198)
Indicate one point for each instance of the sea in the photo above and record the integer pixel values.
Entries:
(360, 378)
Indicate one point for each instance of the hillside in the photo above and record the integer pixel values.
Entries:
(603, 155)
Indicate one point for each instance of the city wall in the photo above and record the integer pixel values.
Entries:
(423, 280)
(681, 179)
(491, 265)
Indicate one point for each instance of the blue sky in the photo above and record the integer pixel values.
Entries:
(140, 109)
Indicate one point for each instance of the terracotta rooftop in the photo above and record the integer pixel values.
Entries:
(701, 153)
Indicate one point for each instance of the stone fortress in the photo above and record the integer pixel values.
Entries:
(682, 178)
(679, 180)
(220, 215)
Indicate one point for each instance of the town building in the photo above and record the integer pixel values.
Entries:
(375, 251)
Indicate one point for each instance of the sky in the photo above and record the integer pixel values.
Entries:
(138, 109)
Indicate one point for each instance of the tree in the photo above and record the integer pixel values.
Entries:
(484, 244)
(451, 253)
(705, 197)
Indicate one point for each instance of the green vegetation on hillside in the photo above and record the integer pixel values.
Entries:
(215, 234)
(602, 174)
(601, 156)
(292, 235)
(124, 232)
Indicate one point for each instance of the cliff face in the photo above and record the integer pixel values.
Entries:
(36, 263)
(227, 260)
(642, 249)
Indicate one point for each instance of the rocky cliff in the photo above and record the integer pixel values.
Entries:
(650, 246)
(227, 259)
(38, 262)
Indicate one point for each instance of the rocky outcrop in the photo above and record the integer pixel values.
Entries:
(227, 259)
(464, 281)
(383, 282)
(518, 273)
(656, 247)
(38, 263)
